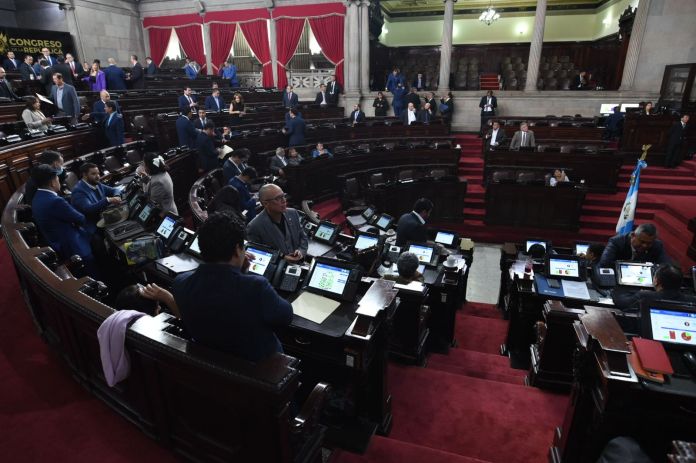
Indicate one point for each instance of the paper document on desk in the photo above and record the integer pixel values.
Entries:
(575, 289)
(313, 307)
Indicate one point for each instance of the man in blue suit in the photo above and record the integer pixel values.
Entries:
(59, 223)
(187, 100)
(191, 69)
(242, 183)
(394, 79)
(46, 54)
(214, 102)
(295, 129)
(290, 99)
(115, 77)
(113, 125)
(90, 197)
(185, 130)
(230, 72)
(98, 113)
(65, 98)
(207, 154)
(151, 68)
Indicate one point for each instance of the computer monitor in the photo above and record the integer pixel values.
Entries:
(326, 232)
(446, 238)
(581, 248)
(607, 108)
(670, 322)
(365, 241)
(262, 259)
(635, 274)
(194, 249)
(384, 222)
(531, 243)
(427, 255)
(166, 227)
(628, 105)
(564, 267)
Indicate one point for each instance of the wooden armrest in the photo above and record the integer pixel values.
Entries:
(311, 410)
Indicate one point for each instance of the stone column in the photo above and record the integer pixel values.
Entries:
(535, 47)
(446, 48)
(636, 41)
(74, 28)
(365, 47)
(274, 51)
(209, 48)
(352, 64)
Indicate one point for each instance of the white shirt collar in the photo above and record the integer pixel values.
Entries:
(48, 191)
(420, 219)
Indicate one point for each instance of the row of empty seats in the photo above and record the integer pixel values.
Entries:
(525, 177)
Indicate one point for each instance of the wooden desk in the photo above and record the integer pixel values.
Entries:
(642, 130)
(574, 128)
(535, 206)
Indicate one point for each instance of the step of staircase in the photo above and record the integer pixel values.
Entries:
(613, 211)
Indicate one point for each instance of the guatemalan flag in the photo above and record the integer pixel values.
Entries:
(628, 211)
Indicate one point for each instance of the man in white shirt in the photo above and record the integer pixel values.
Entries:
(495, 136)
(409, 116)
(321, 96)
(523, 138)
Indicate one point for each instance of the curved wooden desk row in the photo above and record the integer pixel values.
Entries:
(205, 405)
(578, 128)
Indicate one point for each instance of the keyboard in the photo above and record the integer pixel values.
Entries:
(124, 230)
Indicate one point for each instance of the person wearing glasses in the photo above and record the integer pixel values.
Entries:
(278, 225)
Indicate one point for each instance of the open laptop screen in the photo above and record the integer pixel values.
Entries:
(673, 325)
(444, 238)
(635, 274)
(326, 277)
(564, 267)
(365, 241)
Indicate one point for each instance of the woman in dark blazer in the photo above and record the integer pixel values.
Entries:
(381, 105)
(160, 188)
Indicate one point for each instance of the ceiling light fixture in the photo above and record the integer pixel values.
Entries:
(489, 16)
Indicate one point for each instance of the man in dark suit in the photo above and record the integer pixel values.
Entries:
(242, 310)
(91, 197)
(151, 68)
(322, 97)
(488, 105)
(65, 98)
(430, 98)
(613, 125)
(495, 136)
(413, 97)
(419, 82)
(64, 70)
(11, 64)
(242, 182)
(425, 115)
(60, 224)
(668, 279)
(333, 89)
(26, 69)
(357, 116)
(113, 125)
(98, 113)
(676, 137)
(137, 78)
(187, 101)
(46, 54)
(411, 226)
(295, 129)
(207, 154)
(640, 245)
(290, 99)
(76, 70)
(46, 76)
(214, 102)
(186, 132)
(409, 116)
(115, 77)
(6, 90)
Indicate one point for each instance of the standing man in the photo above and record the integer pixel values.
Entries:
(207, 154)
(187, 101)
(115, 77)
(151, 69)
(523, 138)
(65, 98)
(278, 226)
(677, 134)
(46, 54)
(75, 68)
(27, 69)
(11, 64)
(6, 87)
(398, 100)
(413, 97)
(191, 69)
(99, 108)
(64, 70)
(202, 120)
(137, 77)
(290, 99)
(495, 136)
(411, 226)
(46, 76)
(334, 89)
(488, 105)
(230, 72)
(113, 125)
(295, 129)
(185, 130)
(91, 197)
(395, 78)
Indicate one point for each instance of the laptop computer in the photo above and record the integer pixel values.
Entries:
(636, 274)
(131, 228)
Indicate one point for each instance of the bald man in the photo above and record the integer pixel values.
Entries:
(115, 77)
(278, 225)
(98, 113)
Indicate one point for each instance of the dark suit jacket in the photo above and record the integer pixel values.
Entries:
(292, 101)
(115, 78)
(333, 89)
(137, 77)
(98, 111)
(151, 69)
(630, 298)
(409, 228)
(186, 132)
(424, 116)
(28, 71)
(10, 66)
(262, 230)
(276, 164)
(114, 129)
(296, 131)
(210, 104)
(619, 248)
(361, 117)
(198, 123)
(412, 98)
(494, 104)
(500, 137)
(6, 90)
(51, 59)
(61, 225)
(71, 104)
(47, 80)
(245, 199)
(207, 154)
(404, 117)
(91, 202)
(64, 69)
(230, 169)
(319, 99)
(415, 83)
(676, 135)
(231, 311)
(184, 104)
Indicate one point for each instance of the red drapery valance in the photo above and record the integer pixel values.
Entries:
(178, 20)
(236, 16)
(309, 11)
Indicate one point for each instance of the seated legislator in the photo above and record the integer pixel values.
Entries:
(236, 108)
(357, 116)
(224, 307)
(242, 183)
(91, 197)
(113, 125)
(557, 177)
(321, 151)
(522, 138)
(407, 266)
(6, 87)
(294, 158)
(495, 136)
(201, 121)
(27, 70)
(411, 226)
(425, 115)
(185, 131)
(667, 282)
(322, 98)
(207, 154)
(151, 68)
(159, 187)
(32, 116)
(640, 245)
(278, 162)
(54, 160)
(410, 115)
(278, 226)
(59, 223)
(233, 165)
(214, 102)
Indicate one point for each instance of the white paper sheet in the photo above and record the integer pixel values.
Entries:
(313, 307)
(575, 289)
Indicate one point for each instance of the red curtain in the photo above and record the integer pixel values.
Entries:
(329, 34)
(256, 34)
(159, 41)
(191, 39)
(288, 32)
(221, 38)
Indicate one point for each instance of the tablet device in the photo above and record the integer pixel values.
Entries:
(166, 227)
(365, 241)
(564, 267)
(384, 222)
(581, 248)
(193, 248)
(670, 322)
(368, 213)
(145, 214)
(327, 232)
(262, 258)
(427, 255)
(334, 279)
(639, 274)
(445, 238)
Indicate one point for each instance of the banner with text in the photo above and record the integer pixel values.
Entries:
(30, 42)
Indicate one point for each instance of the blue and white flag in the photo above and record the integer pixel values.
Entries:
(628, 211)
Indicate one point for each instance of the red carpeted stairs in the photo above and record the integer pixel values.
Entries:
(489, 81)
(467, 405)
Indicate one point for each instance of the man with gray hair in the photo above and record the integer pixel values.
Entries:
(278, 162)
(407, 266)
(115, 77)
(640, 245)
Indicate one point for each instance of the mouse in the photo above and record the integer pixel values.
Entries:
(690, 361)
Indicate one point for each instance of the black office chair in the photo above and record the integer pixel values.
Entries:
(112, 163)
(378, 179)
(501, 176)
(406, 175)
(526, 177)
(133, 157)
(71, 180)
